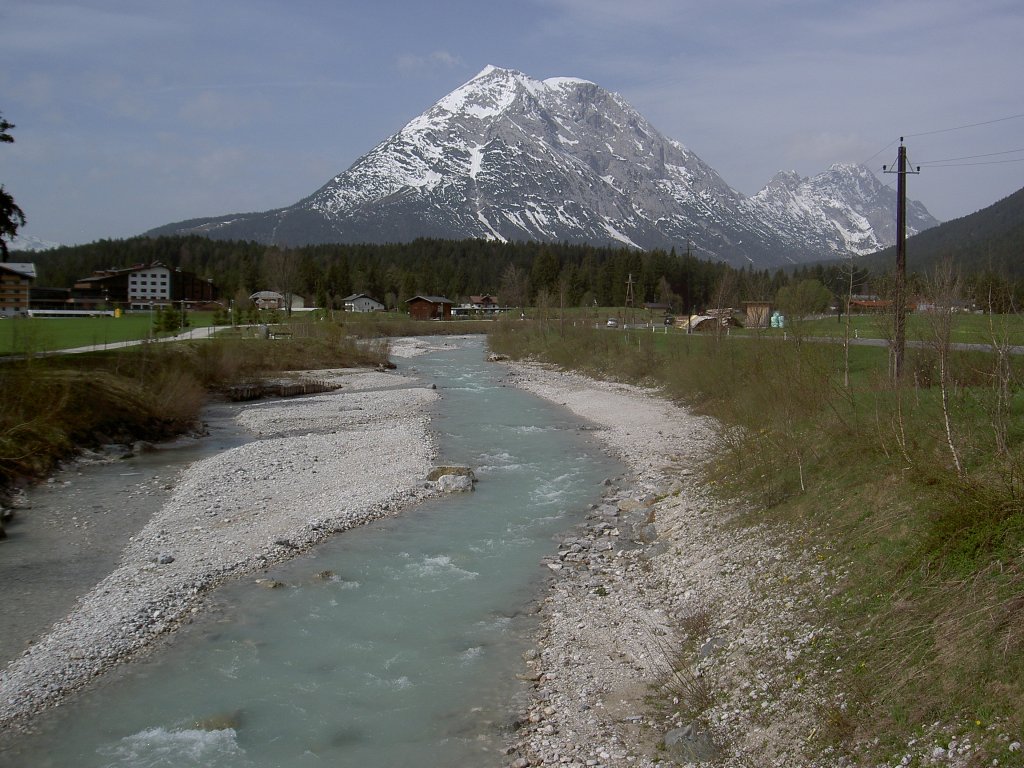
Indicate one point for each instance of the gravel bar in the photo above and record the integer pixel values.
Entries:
(315, 471)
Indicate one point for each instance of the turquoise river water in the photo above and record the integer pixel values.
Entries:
(406, 655)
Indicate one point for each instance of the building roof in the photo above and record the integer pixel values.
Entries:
(871, 303)
(355, 296)
(100, 275)
(432, 299)
(266, 295)
(23, 268)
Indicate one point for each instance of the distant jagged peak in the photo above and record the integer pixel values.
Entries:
(852, 169)
(853, 177)
(784, 180)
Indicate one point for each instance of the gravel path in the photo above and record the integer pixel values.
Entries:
(315, 472)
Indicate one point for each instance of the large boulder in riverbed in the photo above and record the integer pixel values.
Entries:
(452, 479)
(454, 483)
(439, 471)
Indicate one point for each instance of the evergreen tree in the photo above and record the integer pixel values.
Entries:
(11, 215)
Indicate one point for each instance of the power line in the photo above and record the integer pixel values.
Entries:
(970, 125)
(974, 157)
(968, 165)
(948, 130)
(865, 162)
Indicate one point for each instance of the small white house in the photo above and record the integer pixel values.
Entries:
(360, 302)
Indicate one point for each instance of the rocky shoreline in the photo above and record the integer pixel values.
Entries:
(315, 471)
(671, 635)
(677, 632)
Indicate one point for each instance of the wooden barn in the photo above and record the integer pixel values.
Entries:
(430, 308)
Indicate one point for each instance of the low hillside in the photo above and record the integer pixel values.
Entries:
(989, 240)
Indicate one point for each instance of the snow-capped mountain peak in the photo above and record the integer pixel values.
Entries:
(508, 157)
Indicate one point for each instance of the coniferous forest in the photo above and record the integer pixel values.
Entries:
(518, 273)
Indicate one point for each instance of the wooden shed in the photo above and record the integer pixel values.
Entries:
(430, 308)
(759, 313)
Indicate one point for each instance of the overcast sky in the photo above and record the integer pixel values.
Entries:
(132, 114)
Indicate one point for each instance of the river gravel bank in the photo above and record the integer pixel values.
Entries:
(672, 634)
(314, 471)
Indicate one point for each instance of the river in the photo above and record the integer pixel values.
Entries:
(397, 643)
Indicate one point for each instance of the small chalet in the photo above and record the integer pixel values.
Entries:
(430, 308)
(360, 302)
(486, 302)
(15, 280)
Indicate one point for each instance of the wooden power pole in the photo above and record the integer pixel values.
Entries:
(629, 299)
(900, 297)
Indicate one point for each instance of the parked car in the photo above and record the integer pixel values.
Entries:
(612, 323)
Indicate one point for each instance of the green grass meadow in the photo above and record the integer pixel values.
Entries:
(26, 335)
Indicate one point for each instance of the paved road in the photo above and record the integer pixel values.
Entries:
(959, 346)
(191, 333)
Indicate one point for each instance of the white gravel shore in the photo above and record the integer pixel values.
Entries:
(315, 471)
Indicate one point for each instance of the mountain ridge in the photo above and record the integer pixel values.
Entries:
(507, 157)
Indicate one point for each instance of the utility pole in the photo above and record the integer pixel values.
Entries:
(900, 297)
(689, 279)
(629, 295)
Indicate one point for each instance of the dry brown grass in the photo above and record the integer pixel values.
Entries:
(51, 407)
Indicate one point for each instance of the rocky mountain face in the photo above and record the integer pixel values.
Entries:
(507, 157)
(30, 244)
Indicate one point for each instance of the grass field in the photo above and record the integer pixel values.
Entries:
(22, 335)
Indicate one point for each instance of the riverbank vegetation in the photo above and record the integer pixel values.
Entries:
(912, 492)
(54, 406)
